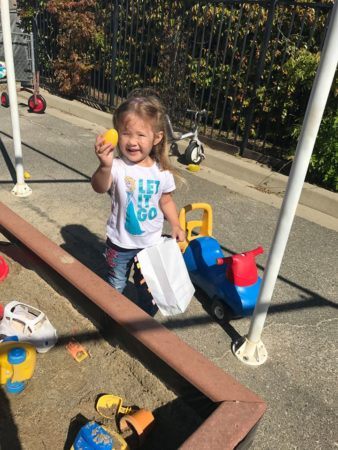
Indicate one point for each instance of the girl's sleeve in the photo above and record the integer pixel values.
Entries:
(114, 168)
(169, 182)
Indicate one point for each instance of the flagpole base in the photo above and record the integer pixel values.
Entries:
(21, 190)
(251, 353)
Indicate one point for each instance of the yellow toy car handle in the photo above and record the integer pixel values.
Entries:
(205, 224)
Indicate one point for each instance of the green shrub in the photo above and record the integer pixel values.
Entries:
(178, 50)
(323, 167)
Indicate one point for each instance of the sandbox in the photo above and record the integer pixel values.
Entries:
(195, 404)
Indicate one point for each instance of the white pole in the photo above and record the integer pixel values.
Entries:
(21, 189)
(251, 350)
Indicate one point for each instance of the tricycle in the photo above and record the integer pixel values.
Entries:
(194, 152)
(231, 283)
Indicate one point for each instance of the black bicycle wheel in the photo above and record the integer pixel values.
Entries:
(193, 153)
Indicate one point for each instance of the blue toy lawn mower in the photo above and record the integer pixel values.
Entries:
(231, 283)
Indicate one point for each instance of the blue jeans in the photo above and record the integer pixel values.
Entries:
(120, 261)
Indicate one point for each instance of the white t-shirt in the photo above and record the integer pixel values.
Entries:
(136, 219)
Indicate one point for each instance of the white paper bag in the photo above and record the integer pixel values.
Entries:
(166, 275)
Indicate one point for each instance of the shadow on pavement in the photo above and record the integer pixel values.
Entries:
(89, 249)
(12, 172)
(8, 162)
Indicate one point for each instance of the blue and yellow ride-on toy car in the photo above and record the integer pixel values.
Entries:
(231, 283)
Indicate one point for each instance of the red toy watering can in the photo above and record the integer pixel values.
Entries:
(241, 268)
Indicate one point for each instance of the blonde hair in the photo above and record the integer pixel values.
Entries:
(148, 107)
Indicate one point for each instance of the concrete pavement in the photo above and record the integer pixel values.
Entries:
(243, 172)
(298, 381)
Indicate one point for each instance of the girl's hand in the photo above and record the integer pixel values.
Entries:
(104, 152)
(177, 233)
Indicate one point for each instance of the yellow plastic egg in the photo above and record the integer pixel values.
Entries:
(111, 137)
(193, 167)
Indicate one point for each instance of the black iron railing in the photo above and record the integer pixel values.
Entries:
(249, 63)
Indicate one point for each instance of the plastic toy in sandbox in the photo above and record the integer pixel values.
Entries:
(94, 436)
(133, 424)
(17, 364)
(29, 324)
(4, 269)
(231, 283)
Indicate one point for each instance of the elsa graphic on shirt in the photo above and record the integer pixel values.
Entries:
(132, 225)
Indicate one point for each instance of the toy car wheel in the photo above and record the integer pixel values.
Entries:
(194, 153)
(4, 99)
(37, 105)
(218, 310)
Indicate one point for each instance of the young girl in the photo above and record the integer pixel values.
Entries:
(141, 185)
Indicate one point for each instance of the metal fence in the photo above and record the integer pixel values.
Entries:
(250, 64)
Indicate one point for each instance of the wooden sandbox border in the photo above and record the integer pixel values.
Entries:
(237, 410)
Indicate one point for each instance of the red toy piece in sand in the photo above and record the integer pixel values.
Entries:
(3, 269)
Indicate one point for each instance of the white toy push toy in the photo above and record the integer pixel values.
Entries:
(29, 325)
